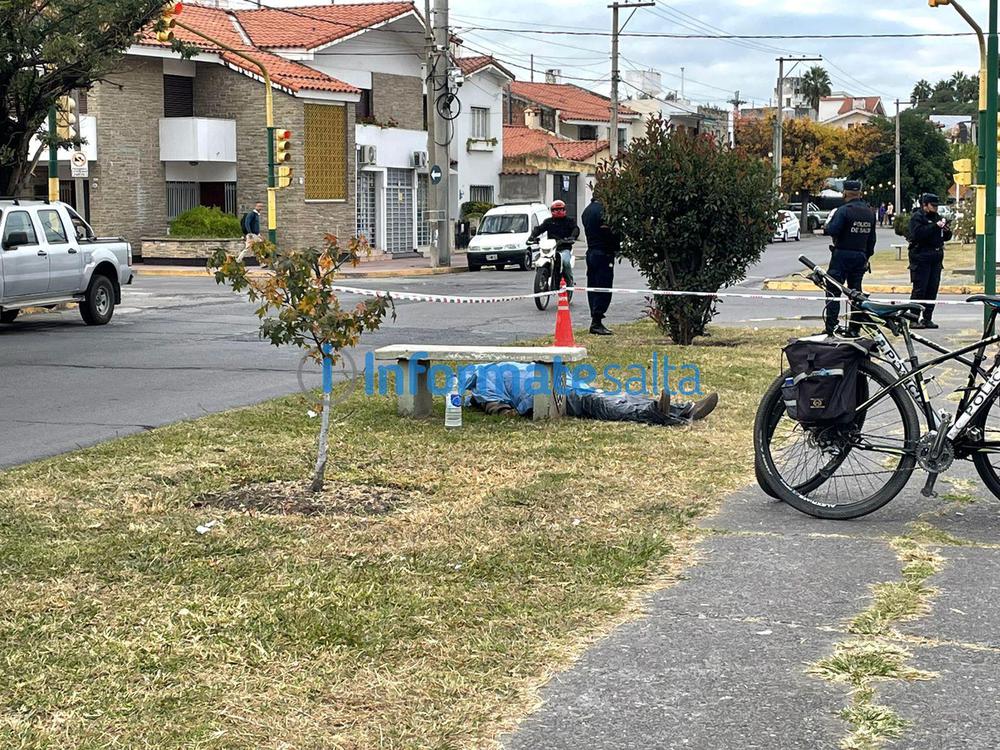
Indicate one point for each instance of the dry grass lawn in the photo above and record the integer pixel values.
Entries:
(419, 603)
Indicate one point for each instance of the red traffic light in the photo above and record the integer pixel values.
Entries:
(283, 135)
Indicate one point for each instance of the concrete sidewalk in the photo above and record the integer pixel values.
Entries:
(405, 267)
(721, 659)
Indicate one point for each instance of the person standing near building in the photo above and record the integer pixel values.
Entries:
(251, 229)
(852, 229)
(602, 248)
(928, 233)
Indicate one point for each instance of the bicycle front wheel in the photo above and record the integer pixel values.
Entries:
(842, 471)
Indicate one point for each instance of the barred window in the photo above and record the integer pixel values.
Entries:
(480, 122)
(325, 148)
(481, 193)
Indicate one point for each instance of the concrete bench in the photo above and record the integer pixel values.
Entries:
(415, 396)
(899, 250)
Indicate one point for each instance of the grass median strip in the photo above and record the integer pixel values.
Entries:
(419, 602)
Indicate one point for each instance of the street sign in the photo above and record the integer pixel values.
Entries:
(78, 165)
(436, 174)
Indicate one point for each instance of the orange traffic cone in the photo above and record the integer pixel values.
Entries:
(564, 324)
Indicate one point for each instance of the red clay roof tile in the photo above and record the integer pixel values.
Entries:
(573, 102)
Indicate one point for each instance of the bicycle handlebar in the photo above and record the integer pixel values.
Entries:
(851, 294)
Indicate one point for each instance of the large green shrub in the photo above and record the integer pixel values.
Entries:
(475, 208)
(901, 224)
(209, 223)
(964, 228)
(692, 215)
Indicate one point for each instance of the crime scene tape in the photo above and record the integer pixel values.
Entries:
(479, 300)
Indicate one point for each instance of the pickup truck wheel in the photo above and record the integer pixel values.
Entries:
(99, 306)
(8, 316)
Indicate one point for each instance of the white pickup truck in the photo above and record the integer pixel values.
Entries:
(49, 255)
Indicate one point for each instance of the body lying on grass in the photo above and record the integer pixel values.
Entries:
(508, 388)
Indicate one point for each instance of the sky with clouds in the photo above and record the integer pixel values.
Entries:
(715, 68)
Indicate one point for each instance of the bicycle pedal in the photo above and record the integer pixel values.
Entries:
(928, 490)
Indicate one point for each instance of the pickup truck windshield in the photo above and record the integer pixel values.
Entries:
(504, 224)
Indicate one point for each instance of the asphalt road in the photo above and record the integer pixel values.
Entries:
(180, 348)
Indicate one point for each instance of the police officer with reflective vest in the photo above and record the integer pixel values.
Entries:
(928, 233)
(852, 230)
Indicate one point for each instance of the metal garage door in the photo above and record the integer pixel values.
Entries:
(399, 211)
(366, 207)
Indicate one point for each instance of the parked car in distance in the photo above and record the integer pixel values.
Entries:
(788, 227)
(50, 255)
(816, 215)
(503, 234)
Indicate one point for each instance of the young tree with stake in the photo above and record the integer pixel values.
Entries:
(296, 305)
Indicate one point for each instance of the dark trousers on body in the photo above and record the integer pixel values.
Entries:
(925, 275)
(848, 267)
(600, 272)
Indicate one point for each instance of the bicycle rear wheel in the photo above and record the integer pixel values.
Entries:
(771, 414)
(865, 464)
(987, 458)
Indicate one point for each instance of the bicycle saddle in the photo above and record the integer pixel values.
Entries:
(993, 300)
(894, 311)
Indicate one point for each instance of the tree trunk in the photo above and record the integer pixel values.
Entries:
(324, 431)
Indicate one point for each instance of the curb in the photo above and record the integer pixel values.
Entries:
(801, 286)
(168, 272)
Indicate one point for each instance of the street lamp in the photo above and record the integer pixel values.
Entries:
(986, 172)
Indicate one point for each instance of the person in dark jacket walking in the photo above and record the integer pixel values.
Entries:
(251, 229)
(928, 233)
(852, 229)
(602, 247)
(558, 227)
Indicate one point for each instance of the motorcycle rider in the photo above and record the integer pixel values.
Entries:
(559, 227)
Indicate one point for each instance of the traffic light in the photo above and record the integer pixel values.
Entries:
(282, 146)
(936, 3)
(168, 18)
(66, 118)
(284, 177)
(963, 171)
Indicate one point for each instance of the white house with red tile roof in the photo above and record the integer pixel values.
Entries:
(477, 141)
(845, 111)
(541, 166)
(568, 110)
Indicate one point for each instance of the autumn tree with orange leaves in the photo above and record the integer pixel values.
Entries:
(297, 305)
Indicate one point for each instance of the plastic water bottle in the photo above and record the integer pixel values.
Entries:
(453, 408)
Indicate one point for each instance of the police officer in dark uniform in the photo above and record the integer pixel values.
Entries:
(928, 233)
(602, 247)
(852, 229)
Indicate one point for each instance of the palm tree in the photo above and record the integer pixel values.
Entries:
(815, 85)
(922, 91)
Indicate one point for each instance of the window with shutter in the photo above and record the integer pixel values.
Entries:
(178, 96)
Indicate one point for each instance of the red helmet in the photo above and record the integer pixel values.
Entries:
(558, 209)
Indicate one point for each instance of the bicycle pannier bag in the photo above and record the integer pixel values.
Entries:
(824, 387)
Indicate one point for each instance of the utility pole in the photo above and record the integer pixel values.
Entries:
(737, 103)
(682, 84)
(439, 98)
(990, 148)
(779, 112)
(430, 117)
(615, 6)
(532, 68)
(899, 186)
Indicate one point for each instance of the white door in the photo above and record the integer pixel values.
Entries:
(25, 261)
(65, 258)
(367, 227)
(399, 211)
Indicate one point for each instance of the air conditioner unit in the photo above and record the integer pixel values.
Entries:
(366, 154)
(419, 159)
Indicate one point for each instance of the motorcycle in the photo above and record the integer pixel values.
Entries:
(550, 268)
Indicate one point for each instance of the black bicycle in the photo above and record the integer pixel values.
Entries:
(849, 470)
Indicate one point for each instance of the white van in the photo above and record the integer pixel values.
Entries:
(503, 234)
